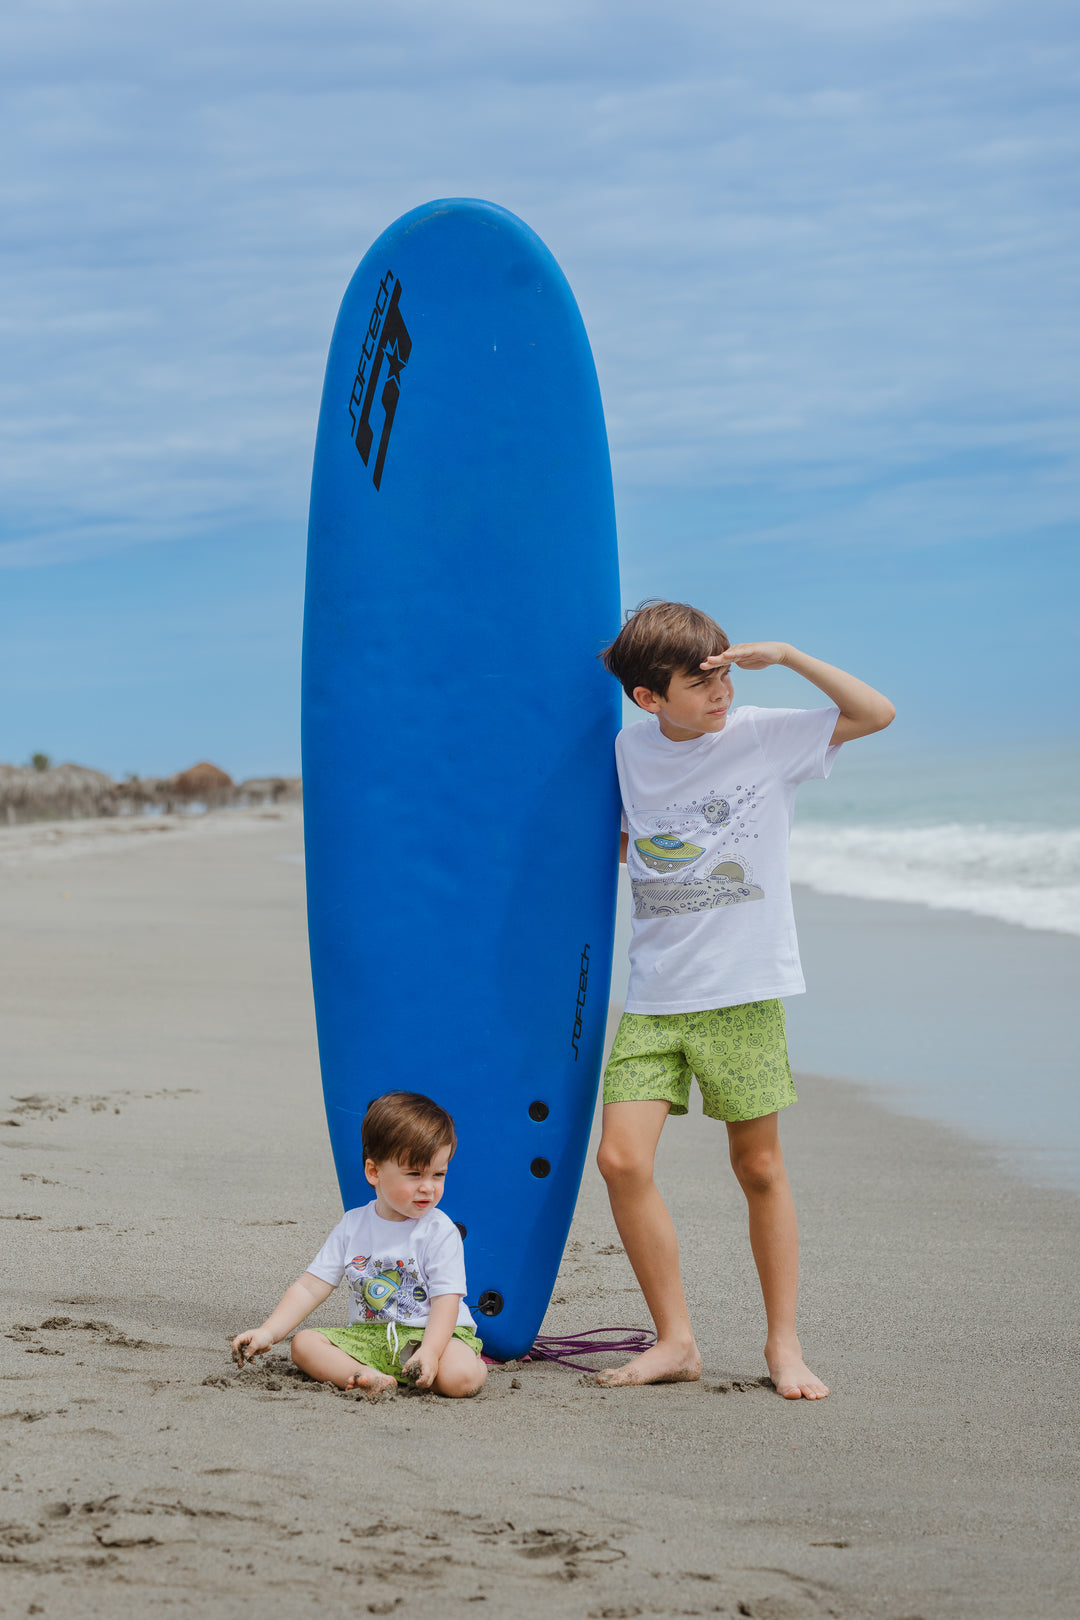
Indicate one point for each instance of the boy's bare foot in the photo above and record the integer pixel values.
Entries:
(373, 1384)
(662, 1364)
(791, 1376)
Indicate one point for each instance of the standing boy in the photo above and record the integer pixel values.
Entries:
(708, 795)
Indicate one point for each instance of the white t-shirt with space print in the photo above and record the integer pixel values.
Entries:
(394, 1269)
(709, 822)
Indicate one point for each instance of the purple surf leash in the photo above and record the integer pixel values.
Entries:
(564, 1347)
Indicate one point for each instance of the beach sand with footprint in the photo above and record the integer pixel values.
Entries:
(165, 1172)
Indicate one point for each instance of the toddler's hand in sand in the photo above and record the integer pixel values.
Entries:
(421, 1368)
(246, 1346)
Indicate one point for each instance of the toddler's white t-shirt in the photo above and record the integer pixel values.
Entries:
(394, 1268)
(709, 823)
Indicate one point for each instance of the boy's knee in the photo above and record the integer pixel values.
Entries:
(758, 1169)
(620, 1161)
(301, 1342)
(461, 1381)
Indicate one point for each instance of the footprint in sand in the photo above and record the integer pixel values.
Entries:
(739, 1386)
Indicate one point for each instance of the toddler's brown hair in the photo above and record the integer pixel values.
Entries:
(408, 1127)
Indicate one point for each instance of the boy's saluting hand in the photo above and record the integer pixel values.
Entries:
(862, 710)
(749, 655)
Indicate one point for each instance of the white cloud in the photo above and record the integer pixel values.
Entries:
(811, 242)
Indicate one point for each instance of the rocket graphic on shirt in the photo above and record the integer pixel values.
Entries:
(385, 1289)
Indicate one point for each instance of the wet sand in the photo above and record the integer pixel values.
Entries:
(166, 1172)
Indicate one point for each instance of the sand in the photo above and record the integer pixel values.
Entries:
(166, 1172)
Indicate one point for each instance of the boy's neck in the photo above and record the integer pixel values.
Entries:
(385, 1213)
(676, 733)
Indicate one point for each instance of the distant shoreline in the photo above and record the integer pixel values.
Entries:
(42, 791)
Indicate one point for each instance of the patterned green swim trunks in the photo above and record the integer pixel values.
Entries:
(739, 1055)
(370, 1343)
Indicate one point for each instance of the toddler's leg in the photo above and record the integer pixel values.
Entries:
(627, 1151)
(756, 1158)
(322, 1360)
(461, 1371)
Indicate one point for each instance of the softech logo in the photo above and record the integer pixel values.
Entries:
(583, 987)
(387, 338)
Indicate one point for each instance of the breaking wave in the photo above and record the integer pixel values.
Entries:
(1016, 875)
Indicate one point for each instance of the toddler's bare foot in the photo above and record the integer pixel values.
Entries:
(790, 1374)
(373, 1384)
(662, 1364)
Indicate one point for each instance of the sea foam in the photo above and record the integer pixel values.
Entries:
(1031, 878)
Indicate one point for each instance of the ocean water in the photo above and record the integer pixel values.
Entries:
(938, 905)
(995, 837)
(956, 1018)
(958, 1003)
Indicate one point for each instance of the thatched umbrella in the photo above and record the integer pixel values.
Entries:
(201, 784)
(268, 789)
(137, 794)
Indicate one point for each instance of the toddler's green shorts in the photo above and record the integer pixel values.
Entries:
(370, 1343)
(739, 1055)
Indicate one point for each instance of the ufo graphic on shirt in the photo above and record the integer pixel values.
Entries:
(666, 854)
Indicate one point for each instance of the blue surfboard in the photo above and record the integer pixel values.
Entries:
(460, 801)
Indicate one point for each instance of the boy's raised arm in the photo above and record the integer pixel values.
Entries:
(294, 1305)
(862, 710)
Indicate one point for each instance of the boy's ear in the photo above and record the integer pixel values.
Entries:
(646, 699)
(371, 1171)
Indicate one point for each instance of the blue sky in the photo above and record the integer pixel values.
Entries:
(826, 254)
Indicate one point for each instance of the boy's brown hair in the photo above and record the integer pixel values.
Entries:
(659, 640)
(408, 1127)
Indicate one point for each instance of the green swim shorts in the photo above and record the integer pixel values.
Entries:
(370, 1343)
(739, 1055)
